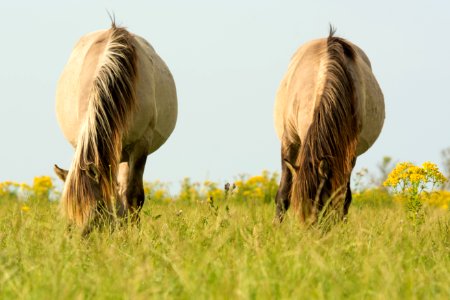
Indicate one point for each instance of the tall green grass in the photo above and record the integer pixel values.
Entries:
(226, 250)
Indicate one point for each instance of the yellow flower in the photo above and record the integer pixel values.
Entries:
(25, 187)
(159, 194)
(429, 166)
(42, 186)
(246, 193)
(9, 188)
(407, 178)
(255, 180)
(439, 199)
(25, 208)
(415, 177)
(216, 194)
(258, 192)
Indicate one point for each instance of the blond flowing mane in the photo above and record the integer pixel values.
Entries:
(111, 100)
(333, 134)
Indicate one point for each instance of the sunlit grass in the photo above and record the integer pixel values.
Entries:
(228, 249)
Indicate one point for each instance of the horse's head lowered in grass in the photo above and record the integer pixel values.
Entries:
(100, 206)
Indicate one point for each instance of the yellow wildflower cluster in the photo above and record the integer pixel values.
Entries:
(157, 191)
(410, 183)
(8, 188)
(406, 177)
(261, 188)
(189, 191)
(41, 189)
(42, 186)
(212, 190)
(414, 185)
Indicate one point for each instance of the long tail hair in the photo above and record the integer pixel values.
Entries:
(332, 136)
(111, 100)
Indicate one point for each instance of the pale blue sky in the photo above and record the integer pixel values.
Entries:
(227, 59)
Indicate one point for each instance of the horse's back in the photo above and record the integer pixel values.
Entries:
(154, 119)
(300, 91)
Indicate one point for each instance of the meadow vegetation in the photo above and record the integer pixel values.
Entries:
(217, 241)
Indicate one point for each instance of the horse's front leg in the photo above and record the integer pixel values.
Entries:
(348, 200)
(348, 194)
(282, 198)
(131, 185)
(289, 153)
(122, 181)
(135, 191)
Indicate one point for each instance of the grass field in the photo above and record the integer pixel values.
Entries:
(225, 250)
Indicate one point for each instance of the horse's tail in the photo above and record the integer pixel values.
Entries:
(90, 184)
(332, 137)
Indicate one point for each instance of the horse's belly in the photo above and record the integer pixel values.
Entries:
(156, 115)
(372, 115)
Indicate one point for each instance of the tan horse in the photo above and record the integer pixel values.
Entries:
(328, 110)
(116, 103)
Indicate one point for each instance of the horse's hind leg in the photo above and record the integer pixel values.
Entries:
(289, 152)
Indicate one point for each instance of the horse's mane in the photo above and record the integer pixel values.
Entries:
(111, 99)
(332, 136)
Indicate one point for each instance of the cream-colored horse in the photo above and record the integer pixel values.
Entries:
(329, 109)
(116, 103)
